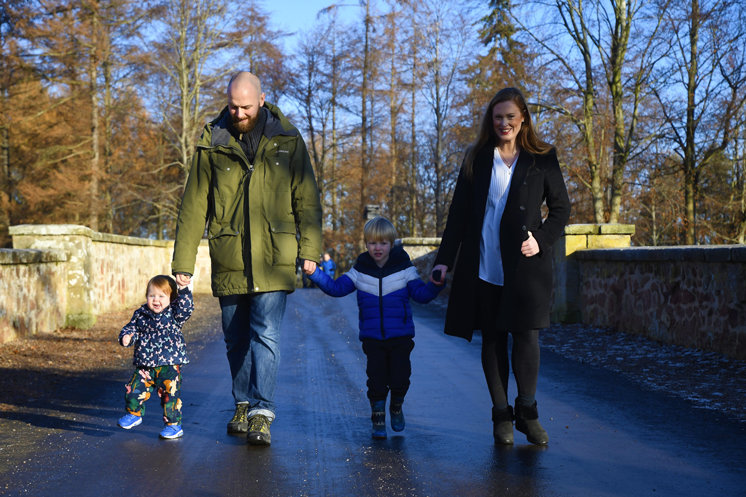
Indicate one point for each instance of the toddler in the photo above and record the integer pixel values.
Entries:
(155, 331)
(385, 280)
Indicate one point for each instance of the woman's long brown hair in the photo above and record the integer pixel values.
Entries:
(527, 138)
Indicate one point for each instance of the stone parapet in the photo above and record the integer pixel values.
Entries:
(577, 237)
(105, 272)
(66, 275)
(697, 253)
(33, 293)
(102, 272)
(419, 246)
(690, 296)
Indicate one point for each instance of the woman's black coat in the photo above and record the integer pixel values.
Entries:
(527, 292)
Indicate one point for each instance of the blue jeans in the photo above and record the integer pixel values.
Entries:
(251, 327)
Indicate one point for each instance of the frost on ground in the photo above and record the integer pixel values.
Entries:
(706, 379)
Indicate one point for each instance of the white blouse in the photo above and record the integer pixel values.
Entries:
(490, 260)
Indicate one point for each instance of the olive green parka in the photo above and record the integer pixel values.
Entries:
(260, 217)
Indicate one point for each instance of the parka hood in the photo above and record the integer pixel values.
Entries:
(276, 125)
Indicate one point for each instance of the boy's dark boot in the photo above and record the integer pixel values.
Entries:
(502, 429)
(378, 417)
(527, 422)
(397, 415)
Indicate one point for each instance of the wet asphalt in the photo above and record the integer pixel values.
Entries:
(608, 436)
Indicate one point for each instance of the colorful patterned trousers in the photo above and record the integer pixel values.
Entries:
(166, 380)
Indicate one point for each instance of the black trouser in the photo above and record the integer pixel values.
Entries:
(525, 356)
(389, 367)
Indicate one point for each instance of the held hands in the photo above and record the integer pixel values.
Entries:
(309, 267)
(126, 339)
(439, 272)
(530, 247)
(182, 279)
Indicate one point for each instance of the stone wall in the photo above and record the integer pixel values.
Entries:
(566, 296)
(419, 246)
(101, 272)
(66, 275)
(32, 292)
(690, 296)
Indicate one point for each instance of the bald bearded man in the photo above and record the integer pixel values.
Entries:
(252, 185)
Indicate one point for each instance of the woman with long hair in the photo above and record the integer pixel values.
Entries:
(502, 280)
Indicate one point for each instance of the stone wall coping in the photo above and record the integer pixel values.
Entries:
(31, 256)
(418, 240)
(688, 253)
(39, 230)
(600, 229)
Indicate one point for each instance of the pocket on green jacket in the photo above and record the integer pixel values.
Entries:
(284, 243)
(226, 251)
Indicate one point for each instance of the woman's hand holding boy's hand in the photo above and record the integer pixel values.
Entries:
(438, 276)
(126, 339)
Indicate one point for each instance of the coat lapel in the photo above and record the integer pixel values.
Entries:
(482, 179)
(525, 160)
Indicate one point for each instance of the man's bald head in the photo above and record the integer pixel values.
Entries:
(243, 78)
(245, 100)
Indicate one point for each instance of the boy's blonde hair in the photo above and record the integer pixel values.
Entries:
(164, 283)
(379, 228)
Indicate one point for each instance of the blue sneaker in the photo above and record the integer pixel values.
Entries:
(129, 421)
(171, 431)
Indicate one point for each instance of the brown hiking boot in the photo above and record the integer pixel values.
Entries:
(259, 430)
(239, 423)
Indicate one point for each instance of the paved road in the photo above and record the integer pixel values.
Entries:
(608, 437)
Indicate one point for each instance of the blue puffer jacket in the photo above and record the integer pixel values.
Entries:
(383, 293)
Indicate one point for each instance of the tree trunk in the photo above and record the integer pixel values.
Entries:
(689, 162)
(95, 154)
(363, 118)
(413, 190)
(5, 186)
(619, 41)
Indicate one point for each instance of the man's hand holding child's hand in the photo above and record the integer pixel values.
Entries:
(126, 339)
(182, 279)
(309, 267)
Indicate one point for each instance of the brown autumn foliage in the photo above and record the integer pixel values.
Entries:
(93, 128)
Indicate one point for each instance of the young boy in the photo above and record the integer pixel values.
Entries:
(385, 280)
(155, 331)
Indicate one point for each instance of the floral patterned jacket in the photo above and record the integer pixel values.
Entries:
(157, 338)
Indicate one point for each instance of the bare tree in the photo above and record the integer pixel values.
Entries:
(261, 53)
(443, 34)
(591, 40)
(189, 38)
(706, 65)
(13, 71)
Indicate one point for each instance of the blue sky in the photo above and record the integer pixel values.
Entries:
(299, 15)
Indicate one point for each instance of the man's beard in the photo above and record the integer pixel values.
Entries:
(245, 125)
